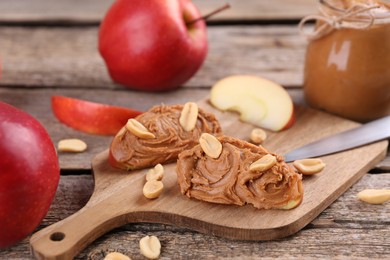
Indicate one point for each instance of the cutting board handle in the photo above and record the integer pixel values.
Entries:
(65, 239)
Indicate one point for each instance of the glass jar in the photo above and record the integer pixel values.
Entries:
(347, 70)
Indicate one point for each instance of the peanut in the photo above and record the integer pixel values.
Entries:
(264, 163)
(309, 166)
(72, 145)
(155, 173)
(189, 116)
(138, 129)
(152, 189)
(116, 256)
(258, 135)
(150, 247)
(373, 196)
(121, 133)
(211, 146)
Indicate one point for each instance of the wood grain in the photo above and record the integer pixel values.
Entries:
(68, 57)
(92, 11)
(114, 204)
(347, 228)
(37, 103)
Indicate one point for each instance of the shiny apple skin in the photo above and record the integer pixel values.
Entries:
(147, 46)
(91, 117)
(29, 174)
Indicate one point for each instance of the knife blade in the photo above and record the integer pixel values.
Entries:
(365, 134)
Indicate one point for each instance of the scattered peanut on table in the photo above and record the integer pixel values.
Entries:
(150, 247)
(116, 256)
(155, 173)
(309, 166)
(258, 135)
(374, 196)
(152, 189)
(72, 145)
(154, 186)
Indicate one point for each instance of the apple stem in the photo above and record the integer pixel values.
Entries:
(205, 17)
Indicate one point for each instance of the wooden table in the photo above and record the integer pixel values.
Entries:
(49, 48)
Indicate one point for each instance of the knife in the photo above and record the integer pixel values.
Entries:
(365, 134)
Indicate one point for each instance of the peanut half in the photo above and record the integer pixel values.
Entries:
(264, 163)
(373, 196)
(116, 256)
(309, 166)
(155, 173)
(138, 129)
(211, 146)
(152, 189)
(72, 145)
(189, 116)
(121, 133)
(258, 135)
(150, 247)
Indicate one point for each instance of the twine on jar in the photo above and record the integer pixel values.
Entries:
(357, 16)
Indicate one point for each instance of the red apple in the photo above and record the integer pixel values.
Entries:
(29, 174)
(148, 45)
(90, 117)
(259, 101)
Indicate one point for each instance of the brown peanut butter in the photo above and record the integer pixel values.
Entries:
(127, 151)
(347, 72)
(229, 180)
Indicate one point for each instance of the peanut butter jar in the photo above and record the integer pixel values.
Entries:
(347, 65)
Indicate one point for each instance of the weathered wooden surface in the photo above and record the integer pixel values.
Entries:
(113, 196)
(92, 11)
(348, 229)
(37, 103)
(39, 61)
(68, 56)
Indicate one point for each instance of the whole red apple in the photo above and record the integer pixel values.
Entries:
(150, 45)
(29, 174)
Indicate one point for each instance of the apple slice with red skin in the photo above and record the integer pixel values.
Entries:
(91, 117)
(259, 101)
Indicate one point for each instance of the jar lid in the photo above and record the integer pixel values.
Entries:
(352, 14)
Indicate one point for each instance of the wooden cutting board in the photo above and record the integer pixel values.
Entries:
(117, 198)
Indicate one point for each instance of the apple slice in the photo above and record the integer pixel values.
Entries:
(259, 101)
(90, 117)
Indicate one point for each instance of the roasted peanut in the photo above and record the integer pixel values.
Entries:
(373, 196)
(150, 247)
(211, 146)
(138, 129)
(155, 173)
(189, 116)
(116, 256)
(309, 166)
(121, 133)
(152, 189)
(264, 163)
(258, 135)
(72, 145)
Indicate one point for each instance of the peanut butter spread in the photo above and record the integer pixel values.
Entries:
(128, 151)
(228, 179)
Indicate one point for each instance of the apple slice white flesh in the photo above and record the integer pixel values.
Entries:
(259, 101)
